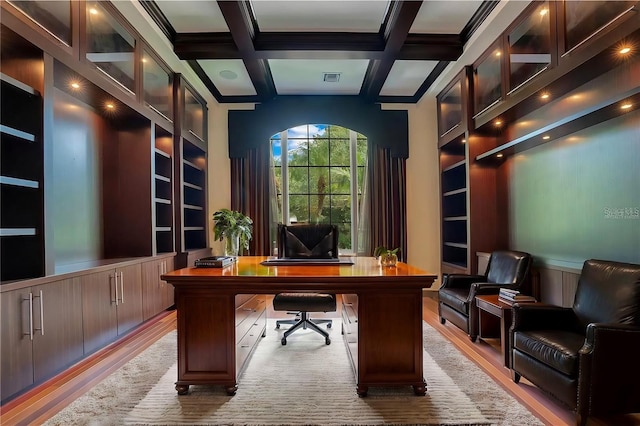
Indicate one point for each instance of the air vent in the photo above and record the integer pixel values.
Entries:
(331, 77)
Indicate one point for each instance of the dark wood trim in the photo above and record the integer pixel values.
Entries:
(195, 66)
(191, 46)
(477, 19)
(159, 18)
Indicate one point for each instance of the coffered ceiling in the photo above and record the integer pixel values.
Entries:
(252, 51)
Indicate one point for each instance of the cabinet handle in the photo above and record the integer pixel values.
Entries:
(41, 329)
(115, 275)
(122, 287)
(30, 299)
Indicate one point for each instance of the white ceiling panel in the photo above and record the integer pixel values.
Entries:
(306, 77)
(193, 16)
(229, 76)
(406, 77)
(320, 15)
(444, 16)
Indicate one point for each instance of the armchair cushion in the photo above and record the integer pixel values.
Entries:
(457, 298)
(556, 348)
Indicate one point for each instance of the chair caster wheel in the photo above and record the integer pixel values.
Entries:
(329, 325)
(277, 326)
(283, 341)
(327, 341)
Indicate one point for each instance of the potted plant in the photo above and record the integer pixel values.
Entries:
(388, 257)
(234, 228)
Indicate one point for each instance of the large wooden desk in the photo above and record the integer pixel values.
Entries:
(389, 317)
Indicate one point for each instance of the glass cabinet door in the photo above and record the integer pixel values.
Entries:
(110, 46)
(450, 108)
(488, 79)
(157, 86)
(529, 46)
(53, 15)
(582, 19)
(194, 114)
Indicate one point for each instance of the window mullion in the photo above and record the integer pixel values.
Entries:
(284, 174)
(353, 171)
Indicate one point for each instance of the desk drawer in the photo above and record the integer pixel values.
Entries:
(249, 341)
(247, 314)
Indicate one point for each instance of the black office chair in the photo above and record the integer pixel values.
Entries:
(306, 242)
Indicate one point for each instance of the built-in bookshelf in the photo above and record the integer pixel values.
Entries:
(193, 196)
(163, 191)
(21, 175)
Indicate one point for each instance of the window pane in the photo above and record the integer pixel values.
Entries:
(298, 180)
(360, 179)
(319, 180)
(336, 132)
(320, 209)
(299, 208)
(53, 15)
(361, 149)
(297, 152)
(340, 180)
(158, 87)
(277, 171)
(530, 46)
(344, 236)
(340, 152)
(340, 209)
(110, 46)
(319, 152)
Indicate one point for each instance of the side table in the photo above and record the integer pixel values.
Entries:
(489, 307)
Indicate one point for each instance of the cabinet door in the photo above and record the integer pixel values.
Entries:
(152, 292)
(16, 362)
(57, 313)
(129, 305)
(99, 315)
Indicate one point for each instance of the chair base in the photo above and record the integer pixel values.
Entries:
(303, 323)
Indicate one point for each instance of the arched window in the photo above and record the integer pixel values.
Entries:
(319, 177)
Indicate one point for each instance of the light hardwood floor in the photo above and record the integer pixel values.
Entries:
(42, 402)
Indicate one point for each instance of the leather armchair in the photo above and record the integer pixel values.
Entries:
(585, 356)
(509, 269)
(306, 242)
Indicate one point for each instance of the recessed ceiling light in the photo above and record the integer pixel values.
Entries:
(228, 75)
(626, 106)
(499, 155)
(498, 123)
(544, 12)
(93, 11)
(110, 106)
(546, 137)
(75, 85)
(464, 141)
(625, 50)
(498, 53)
(544, 96)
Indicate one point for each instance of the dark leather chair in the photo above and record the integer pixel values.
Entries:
(586, 356)
(509, 269)
(306, 242)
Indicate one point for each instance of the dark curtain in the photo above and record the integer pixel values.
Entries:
(250, 194)
(388, 180)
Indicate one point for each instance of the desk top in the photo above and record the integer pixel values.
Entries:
(251, 275)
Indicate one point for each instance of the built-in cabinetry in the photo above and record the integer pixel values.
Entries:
(92, 183)
(41, 332)
(560, 67)
(251, 324)
(349, 315)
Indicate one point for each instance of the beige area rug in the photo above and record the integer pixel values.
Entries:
(304, 382)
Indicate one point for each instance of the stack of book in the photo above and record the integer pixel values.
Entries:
(511, 296)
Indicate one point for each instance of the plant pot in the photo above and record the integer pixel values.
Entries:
(388, 259)
(232, 245)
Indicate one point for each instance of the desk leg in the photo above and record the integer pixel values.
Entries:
(390, 340)
(206, 339)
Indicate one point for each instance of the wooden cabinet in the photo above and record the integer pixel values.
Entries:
(157, 295)
(111, 303)
(349, 314)
(41, 333)
(251, 324)
(163, 197)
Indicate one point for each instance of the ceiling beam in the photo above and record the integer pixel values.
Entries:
(243, 28)
(396, 29)
(205, 46)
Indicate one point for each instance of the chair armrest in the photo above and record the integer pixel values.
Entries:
(539, 316)
(488, 288)
(609, 373)
(460, 280)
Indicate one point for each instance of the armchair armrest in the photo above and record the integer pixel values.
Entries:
(540, 317)
(609, 373)
(487, 288)
(460, 280)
